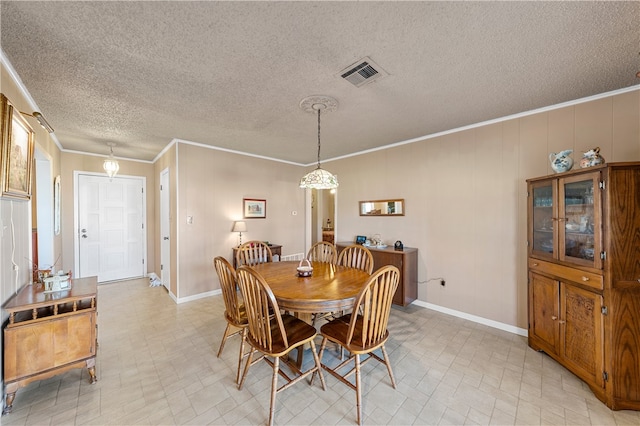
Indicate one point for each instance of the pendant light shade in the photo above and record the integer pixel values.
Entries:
(110, 164)
(319, 178)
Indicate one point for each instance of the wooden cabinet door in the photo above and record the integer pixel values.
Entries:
(74, 338)
(33, 348)
(582, 333)
(381, 258)
(580, 219)
(542, 224)
(623, 208)
(544, 333)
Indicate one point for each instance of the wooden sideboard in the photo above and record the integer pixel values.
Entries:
(406, 261)
(49, 333)
(275, 250)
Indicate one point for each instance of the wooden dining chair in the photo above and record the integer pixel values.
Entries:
(274, 334)
(252, 253)
(235, 313)
(324, 252)
(356, 256)
(364, 330)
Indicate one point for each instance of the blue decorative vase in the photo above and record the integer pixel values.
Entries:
(561, 162)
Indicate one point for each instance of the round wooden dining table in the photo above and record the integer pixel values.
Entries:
(330, 288)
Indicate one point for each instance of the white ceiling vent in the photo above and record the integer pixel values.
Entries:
(362, 72)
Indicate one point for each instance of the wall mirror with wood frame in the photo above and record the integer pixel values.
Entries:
(382, 208)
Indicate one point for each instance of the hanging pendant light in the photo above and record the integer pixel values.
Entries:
(110, 164)
(319, 178)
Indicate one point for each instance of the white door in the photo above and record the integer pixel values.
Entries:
(111, 230)
(165, 243)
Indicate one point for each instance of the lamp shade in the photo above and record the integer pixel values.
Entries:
(239, 226)
(111, 166)
(319, 179)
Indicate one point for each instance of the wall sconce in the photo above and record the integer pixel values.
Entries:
(239, 226)
(110, 164)
(38, 116)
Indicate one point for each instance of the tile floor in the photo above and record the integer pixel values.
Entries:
(156, 365)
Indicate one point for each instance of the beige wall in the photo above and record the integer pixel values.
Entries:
(211, 185)
(466, 195)
(15, 215)
(72, 162)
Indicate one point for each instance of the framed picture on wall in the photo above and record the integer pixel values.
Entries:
(16, 152)
(254, 209)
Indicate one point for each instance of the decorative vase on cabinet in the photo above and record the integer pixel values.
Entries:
(584, 276)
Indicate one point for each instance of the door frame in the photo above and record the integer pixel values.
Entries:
(309, 220)
(44, 211)
(76, 217)
(165, 203)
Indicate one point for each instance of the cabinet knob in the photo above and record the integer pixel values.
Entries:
(585, 279)
(536, 264)
(554, 317)
(562, 322)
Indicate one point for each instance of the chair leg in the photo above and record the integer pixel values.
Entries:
(274, 389)
(358, 389)
(224, 339)
(386, 361)
(246, 368)
(318, 367)
(322, 346)
(243, 336)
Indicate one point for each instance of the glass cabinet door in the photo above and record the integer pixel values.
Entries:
(579, 220)
(543, 207)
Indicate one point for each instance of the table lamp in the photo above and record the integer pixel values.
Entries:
(239, 226)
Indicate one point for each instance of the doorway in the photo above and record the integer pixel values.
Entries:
(110, 225)
(322, 205)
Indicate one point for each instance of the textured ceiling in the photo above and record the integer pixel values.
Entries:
(232, 74)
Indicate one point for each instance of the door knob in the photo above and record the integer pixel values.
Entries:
(166, 238)
(84, 235)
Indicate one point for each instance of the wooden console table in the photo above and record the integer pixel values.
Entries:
(49, 333)
(275, 249)
(406, 261)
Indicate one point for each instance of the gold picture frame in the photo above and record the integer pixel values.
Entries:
(16, 152)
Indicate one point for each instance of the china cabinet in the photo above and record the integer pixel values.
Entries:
(584, 276)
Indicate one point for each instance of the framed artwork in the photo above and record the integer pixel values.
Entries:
(16, 152)
(254, 209)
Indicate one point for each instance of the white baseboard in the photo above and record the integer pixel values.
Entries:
(491, 323)
(198, 296)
